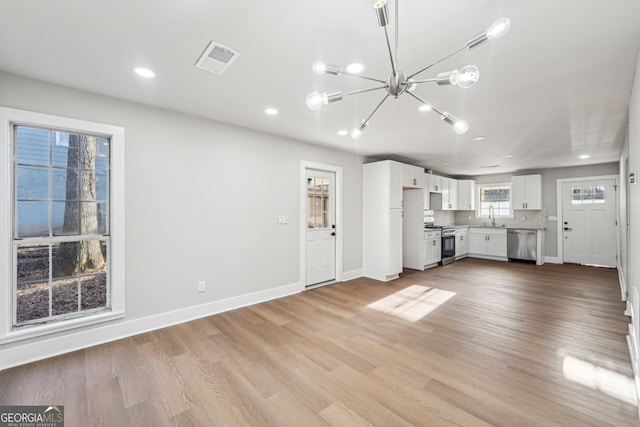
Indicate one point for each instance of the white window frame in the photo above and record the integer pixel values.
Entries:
(479, 188)
(8, 118)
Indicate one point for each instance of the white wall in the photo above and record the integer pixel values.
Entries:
(633, 281)
(202, 202)
(623, 264)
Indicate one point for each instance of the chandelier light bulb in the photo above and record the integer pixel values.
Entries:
(411, 85)
(356, 133)
(461, 127)
(319, 67)
(315, 100)
(499, 28)
(467, 76)
(379, 3)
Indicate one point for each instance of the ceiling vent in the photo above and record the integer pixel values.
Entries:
(216, 58)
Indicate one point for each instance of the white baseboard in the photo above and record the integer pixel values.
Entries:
(553, 260)
(31, 352)
(623, 284)
(350, 275)
(634, 364)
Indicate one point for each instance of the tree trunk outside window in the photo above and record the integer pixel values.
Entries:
(81, 214)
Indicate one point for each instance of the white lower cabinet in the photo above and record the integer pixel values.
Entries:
(432, 248)
(462, 242)
(394, 256)
(488, 243)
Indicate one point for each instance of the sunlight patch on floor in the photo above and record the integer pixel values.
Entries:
(611, 383)
(412, 303)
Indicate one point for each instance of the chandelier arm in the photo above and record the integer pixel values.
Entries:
(396, 40)
(438, 61)
(355, 92)
(366, 121)
(393, 64)
(426, 103)
(362, 77)
(432, 80)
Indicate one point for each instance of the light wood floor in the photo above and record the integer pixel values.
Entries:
(501, 344)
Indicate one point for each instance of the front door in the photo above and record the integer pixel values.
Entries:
(321, 231)
(589, 222)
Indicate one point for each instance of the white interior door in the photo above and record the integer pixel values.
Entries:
(589, 222)
(321, 231)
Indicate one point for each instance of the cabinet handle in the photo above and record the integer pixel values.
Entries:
(434, 243)
(415, 181)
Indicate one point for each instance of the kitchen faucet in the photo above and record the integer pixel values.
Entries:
(492, 215)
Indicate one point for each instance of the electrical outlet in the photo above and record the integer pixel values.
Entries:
(283, 220)
(523, 218)
(202, 286)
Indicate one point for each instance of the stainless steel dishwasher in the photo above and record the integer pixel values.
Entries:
(521, 245)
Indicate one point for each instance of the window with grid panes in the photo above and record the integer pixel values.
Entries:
(497, 196)
(61, 224)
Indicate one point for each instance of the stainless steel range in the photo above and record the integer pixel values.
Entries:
(448, 245)
(448, 240)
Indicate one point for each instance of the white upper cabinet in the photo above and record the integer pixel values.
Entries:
(412, 176)
(449, 194)
(466, 195)
(526, 192)
(433, 183)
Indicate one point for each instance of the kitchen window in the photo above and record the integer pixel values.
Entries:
(64, 260)
(497, 196)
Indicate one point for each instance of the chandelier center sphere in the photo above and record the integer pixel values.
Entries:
(396, 84)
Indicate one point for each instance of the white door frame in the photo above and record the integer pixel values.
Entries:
(337, 170)
(560, 209)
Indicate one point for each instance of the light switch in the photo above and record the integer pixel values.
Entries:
(283, 220)
(553, 218)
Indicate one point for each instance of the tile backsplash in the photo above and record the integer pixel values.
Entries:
(532, 219)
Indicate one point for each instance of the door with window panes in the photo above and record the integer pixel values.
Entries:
(321, 232)
(589, 222)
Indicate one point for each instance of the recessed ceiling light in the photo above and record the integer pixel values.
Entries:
(478, 138)
(355, 68)
(424, 108)
(508, 155)
(343, 132)
(271, 111)
(144, 72)
(584, 156)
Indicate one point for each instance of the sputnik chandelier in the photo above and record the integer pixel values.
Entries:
(398, 82)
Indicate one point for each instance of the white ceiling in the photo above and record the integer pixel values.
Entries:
(556, 87)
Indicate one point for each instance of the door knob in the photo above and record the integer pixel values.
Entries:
(333, 234)
(567, 229)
